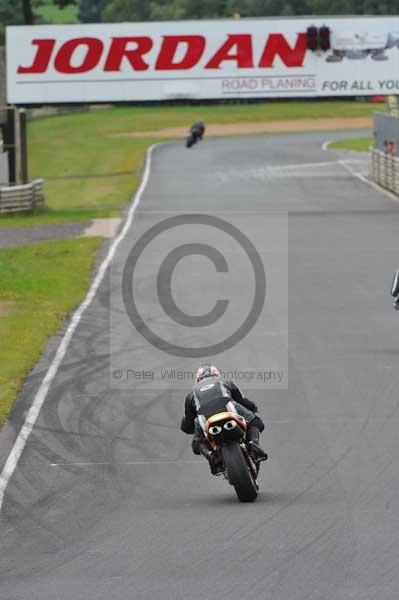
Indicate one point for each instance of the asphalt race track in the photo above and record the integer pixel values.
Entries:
(108, 502)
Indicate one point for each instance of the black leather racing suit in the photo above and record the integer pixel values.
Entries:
(198, 130)
(395, 290)
(211, 396)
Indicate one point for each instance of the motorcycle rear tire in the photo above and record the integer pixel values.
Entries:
(239, 474)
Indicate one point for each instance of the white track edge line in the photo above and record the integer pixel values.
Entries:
(41, 394)
(325, 145)
(346, 165)
(305, 165)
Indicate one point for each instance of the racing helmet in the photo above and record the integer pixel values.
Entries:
(207, 371)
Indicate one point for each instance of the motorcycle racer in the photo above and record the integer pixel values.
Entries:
(395, 290)
(198, 130)
(211, 395)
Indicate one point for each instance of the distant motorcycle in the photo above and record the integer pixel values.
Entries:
(225, 433)
(191, 139)
(395, 290)
(196, 133)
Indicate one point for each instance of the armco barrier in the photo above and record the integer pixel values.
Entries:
(20, 198)
(384, 170)
(386, 128)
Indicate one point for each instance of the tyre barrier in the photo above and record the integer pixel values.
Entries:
(20, 198)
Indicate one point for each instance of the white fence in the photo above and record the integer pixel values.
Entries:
(20, 198)
(384, 170)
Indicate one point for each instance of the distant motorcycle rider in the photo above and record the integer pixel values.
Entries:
(198, 130)
(211, 395)
(395, 290)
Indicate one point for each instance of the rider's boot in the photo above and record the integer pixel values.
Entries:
(215, 465)
(253, 443)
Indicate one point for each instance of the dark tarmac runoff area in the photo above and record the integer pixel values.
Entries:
(109, 503)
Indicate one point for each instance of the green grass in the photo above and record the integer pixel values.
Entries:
(53, 14)
(356, 144)
(39, 285)
(83, 144)
(122, 119)
(50, 216)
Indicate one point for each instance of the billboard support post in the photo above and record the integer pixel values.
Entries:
(23, 146)
(3, 87)
(18, 161)
(9, 142)
(15, 144)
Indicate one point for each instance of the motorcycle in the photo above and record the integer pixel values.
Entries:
(226, 435)
(191, 140)
(196, 133)
(395, 290)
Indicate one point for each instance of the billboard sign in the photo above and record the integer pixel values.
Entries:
(200, 60)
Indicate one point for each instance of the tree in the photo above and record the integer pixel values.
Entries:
(333, 7)
(90, 10)
(164, 10)
(64, 3)
(126, 10)
(93, 11)
(27, 12)
(8, 14)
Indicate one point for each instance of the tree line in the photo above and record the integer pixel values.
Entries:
(94, 11)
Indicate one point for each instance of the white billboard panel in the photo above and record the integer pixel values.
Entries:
(201, 60)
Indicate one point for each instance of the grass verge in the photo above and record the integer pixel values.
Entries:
(40, 284)
(356, 144)
(89, 173)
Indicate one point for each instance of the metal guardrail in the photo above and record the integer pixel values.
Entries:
(384, 162)
(386, 128)
(384, 170)
(22, 197)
